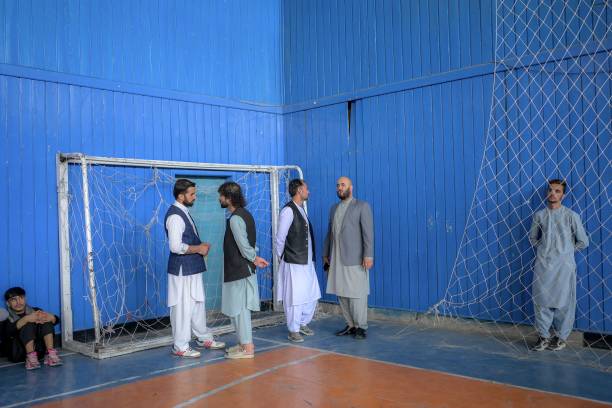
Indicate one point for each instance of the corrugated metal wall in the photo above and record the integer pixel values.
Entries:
(145, 79)
(419, 76)
(338, 46)
(38, 119)
(414, 155)
(199, 46)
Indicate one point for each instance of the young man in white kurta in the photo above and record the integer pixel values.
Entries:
(556, 232)
(298, 286)
(186, 293)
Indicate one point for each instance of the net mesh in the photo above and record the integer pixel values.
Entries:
(550, 118)
(130, 248)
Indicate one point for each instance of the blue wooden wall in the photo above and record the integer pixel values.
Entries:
(40, 118)
(416, 161)
(274, 78)
(419, 76)
(209, 47)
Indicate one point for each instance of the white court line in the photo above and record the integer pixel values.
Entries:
(22, 363)
(433, 371)
(123, 380)
(244, 379)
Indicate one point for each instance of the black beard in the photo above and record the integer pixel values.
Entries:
(223, 205)
(188, 204)
(342, 196)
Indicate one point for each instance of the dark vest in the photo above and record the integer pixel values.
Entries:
(235, 265)
(191, 263)
(296, 243)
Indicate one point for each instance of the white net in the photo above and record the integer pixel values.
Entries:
(550, 118)
(130, 249)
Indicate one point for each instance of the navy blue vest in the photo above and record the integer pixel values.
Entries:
(191, 263)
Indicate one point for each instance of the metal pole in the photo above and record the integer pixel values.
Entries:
(90, 264)
(274, 216)
(64, 242)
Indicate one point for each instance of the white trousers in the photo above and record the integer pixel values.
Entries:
(299, 315)
(188, 316)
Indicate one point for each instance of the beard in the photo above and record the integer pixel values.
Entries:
(342, 195)
(190, 204)
(223, 204)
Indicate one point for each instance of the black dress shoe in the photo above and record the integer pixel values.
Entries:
(360, 334)
(346, 331)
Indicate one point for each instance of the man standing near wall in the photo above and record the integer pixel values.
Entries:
(298, 286)
(240, 292)
(349, 252)
(185, 267)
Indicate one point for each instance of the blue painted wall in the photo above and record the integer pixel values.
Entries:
(38, 119)
(263, 82)
(416, 161)
(339, 46)
(420, 76)
(209, 47)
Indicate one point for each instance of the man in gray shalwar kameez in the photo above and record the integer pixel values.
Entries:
(349, 252)
(556, 232)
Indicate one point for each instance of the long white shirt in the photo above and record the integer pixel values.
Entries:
(298, 284)
(556, 234)
(179, 286)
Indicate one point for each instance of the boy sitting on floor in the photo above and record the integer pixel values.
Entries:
(28, 332)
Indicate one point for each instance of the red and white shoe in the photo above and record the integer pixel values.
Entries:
(189, 353)
(52, 359)
(32, 362)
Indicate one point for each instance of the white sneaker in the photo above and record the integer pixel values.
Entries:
(187, 353)
(210, 344)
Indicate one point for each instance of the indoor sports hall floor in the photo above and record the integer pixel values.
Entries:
(397, 366)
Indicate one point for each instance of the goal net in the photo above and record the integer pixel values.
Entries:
(114, 250)
(550, 118)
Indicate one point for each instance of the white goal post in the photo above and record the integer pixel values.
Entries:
(77, 176)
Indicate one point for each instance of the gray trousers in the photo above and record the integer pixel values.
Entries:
(242, 325)
(355, 311)
(561, 320)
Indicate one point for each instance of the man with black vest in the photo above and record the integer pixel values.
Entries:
(298, 286)
(240, 292)
(185, 267)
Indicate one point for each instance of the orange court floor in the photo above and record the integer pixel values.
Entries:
(396, 366)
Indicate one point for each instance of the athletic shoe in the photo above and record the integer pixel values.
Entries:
(306, 331)
(360, 334)
(541, 345)
(232, 349)
(239, 353)
(346, 331)
(32, 362)
(210, 344)
(557, 344)
(191, 353)
(52, 359)
(295, 337)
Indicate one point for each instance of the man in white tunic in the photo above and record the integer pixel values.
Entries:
(556, 232)
(298, 286)
(185, 267)
(349, 252)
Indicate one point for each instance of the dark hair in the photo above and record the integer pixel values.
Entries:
(294, 185)
(181, 186)
(12, 292)
(559, 181)
(232, 192)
